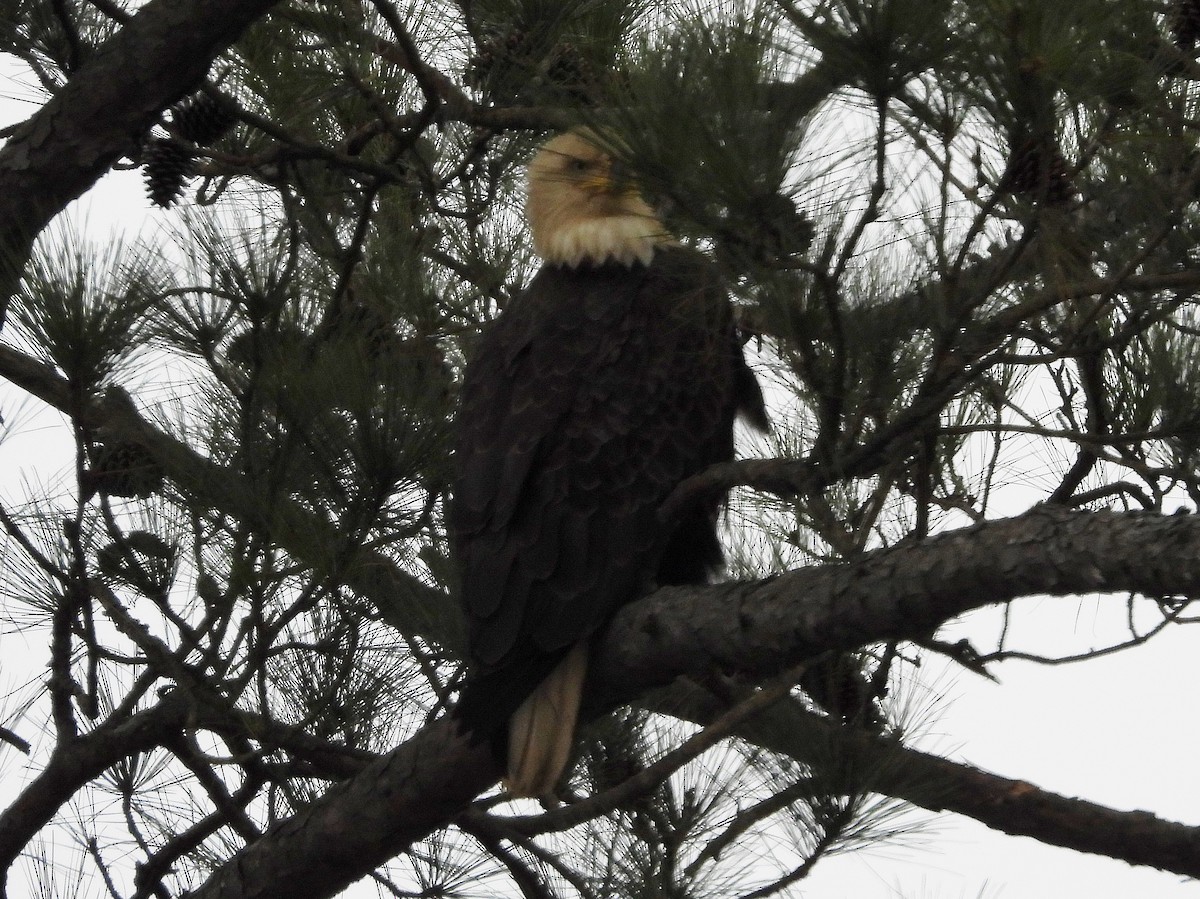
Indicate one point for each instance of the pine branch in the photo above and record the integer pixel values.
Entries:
(897, 592)
(100, 114)
(358, 825)
(150, 874)
(757, 628)
(644, 781)
(792, 477)
(1015, 552)
(405, 602)
(1004, 804)
(439, 91)
(12, 738)
(754, 628)
(760, 627)
(76, 763)
(231, 809)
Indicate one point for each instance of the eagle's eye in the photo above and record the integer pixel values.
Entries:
(575, 164)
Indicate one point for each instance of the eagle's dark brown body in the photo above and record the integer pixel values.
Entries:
(587, 402)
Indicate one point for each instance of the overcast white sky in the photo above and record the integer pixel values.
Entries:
(1121, 731)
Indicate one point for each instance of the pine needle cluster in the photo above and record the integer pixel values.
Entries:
(961, 236)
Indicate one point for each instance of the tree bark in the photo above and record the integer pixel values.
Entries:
(361, 823)
(1010, 806)
(73, 765)
(102, 112)
(758, 628)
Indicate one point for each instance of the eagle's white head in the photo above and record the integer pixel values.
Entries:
(582, 211)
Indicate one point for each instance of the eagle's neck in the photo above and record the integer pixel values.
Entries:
(624, 239)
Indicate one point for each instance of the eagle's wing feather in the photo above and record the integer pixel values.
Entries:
(594, 395)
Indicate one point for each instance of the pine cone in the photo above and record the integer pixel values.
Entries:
(1037, 168)
(142, 560)
(515, 43)
(201, 119)
(122, 469)
(498, 52)
(569, 71)
(366, 323)
(767, 231)
(841, 687)
(479, 66)
(168, 165)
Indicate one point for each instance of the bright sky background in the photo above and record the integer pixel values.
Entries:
(1121, 731)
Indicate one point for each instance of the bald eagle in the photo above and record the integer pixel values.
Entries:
(616, 375)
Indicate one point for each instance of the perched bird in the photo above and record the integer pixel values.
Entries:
(615, 376)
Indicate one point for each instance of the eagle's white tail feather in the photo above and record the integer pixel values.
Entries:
(542, 731)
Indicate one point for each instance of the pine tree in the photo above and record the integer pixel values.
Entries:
(959, 236)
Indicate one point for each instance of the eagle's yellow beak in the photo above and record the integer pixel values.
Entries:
(596, 185)
(610, 181)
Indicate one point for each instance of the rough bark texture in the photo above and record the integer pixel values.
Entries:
(759, 627)
(102, 112)
(75, 764)
(756, 628)
(762, 627)
(361, 823)
(1011, 806)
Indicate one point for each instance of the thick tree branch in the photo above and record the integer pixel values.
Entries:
(409, 605)
(756, 628)
(102, 112)
(761, 627)
(361, 823)
(1010, 806)
(75, 763)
